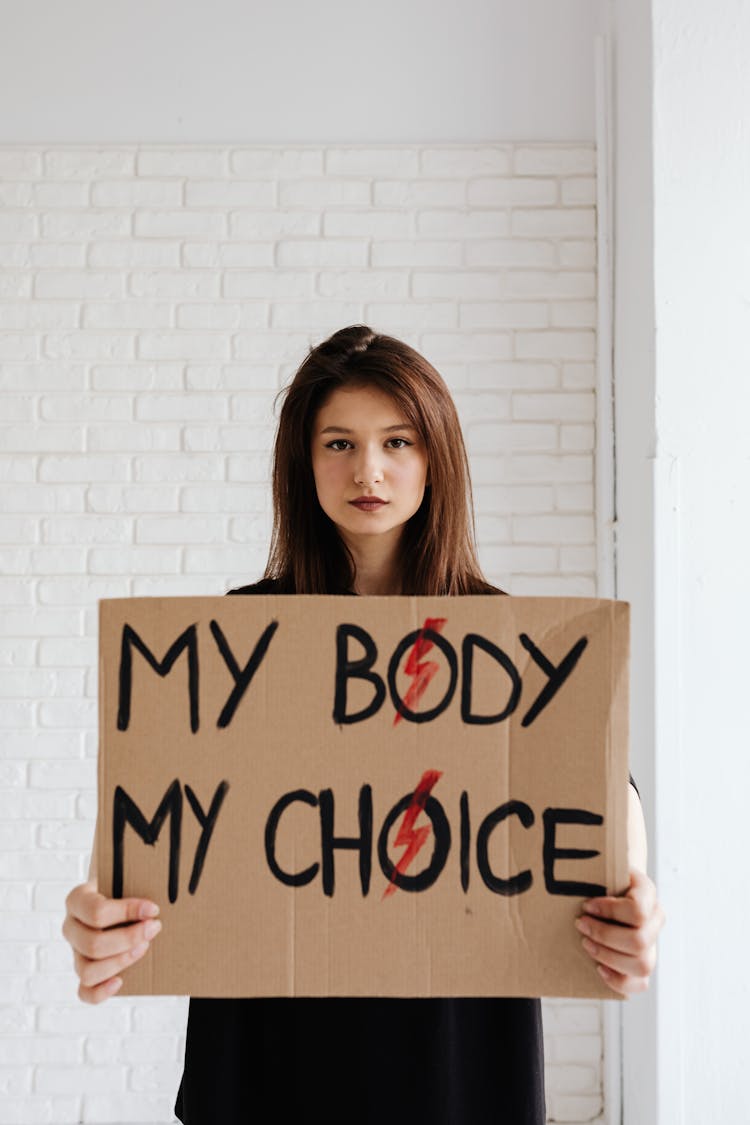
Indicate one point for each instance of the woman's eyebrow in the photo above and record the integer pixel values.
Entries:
(385, 430)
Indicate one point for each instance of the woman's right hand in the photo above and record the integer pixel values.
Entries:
(107, 935)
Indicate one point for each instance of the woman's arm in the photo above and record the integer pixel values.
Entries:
(619, 931)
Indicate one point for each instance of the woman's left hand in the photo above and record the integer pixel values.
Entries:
(619, 933)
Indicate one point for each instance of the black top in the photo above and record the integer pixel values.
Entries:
(361, 1061)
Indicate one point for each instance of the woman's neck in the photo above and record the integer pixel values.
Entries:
(377, 565)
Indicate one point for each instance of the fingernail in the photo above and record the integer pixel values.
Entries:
(148, 910)
(138, 950)
(589, 946)
(114, 985)
(603, 972)
(591, 908)
(583, 926)
(151, 929)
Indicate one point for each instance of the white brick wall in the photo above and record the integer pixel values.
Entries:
(152, 300)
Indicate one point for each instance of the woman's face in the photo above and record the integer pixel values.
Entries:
(363, 446)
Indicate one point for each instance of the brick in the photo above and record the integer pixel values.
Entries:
(137, 377)
(18, 653)
(574, 222)
(15, 226)
(511, 252)
(133, 560)
(181, 407)
(74, 591)
(267, 284)
(578, 560)
(554, 160)
(63, 1050)
(16, 346)
(368, 223)
(136, 193)
(111, 1109)
(273, 224)
(503, 314)
(81, 1080)
(48, 255)
(37, 314)
(127, 314)
(182, 224)
(261, 347)
(108, 499)
(228, 254)
(512, 376)
(231, 498)
(579, 190)
(78, 284)
(477, 345)
(573, 314)
(43, 376)
(555, 345)
(463, 223)
(368, 285)
(180, 529)
(345, 253)
(19, 164)
(132, 252)
(39, 439)
(276, 162)
(511, 191)
(39, 744)
(40, 622)
(579, 376)
(550, 468)
(561, 407)
(419, 193)
(83, 468)
(88, 164)
(89, 345)
(553, 529)
(371, 161)
(183, 345)
(457, 285)
(214, 316)
(29, 1110)
(575, 497)
(577, 438)
(417, 252)
(497, 437)
(190, 162)
(182, 467)
(85, 225)
(514, 559)
(574, 254)
(133, 437)
(321, 314)
(411, 316)
(465, 161)
(324, 193)
(36, 805)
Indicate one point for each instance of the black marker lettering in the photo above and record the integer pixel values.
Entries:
(130, 640)
(467, 652)
(242, 676)
(516, 884)
(299, 878)
(551, 818)
(125, 811)
(207, 822)
(355, 669)
(361, 843)
(557, 675)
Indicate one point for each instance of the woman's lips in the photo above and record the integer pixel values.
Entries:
(368, 505)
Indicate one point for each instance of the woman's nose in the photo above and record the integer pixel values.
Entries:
(368, 468)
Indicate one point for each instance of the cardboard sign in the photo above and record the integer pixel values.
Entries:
(364, 796)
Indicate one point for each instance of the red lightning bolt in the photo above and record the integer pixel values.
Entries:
(424, 671)
(412, 838)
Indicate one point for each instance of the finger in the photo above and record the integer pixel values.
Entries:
(633, 908)
(100, 944)
(101, 992)
(93, 973)
(641, 965)
(618, 982)
(633, 940)
(97, 911)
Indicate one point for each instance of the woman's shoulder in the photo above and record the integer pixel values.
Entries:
(262, 586)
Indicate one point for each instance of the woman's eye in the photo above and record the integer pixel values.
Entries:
(337, 442)
(402, 440)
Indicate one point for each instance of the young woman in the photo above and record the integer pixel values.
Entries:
(371, 496)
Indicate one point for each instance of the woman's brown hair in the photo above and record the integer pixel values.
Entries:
(307, 555)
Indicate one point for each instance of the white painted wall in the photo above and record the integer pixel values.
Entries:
(296, 71)
(153, 301)
(684, 482)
